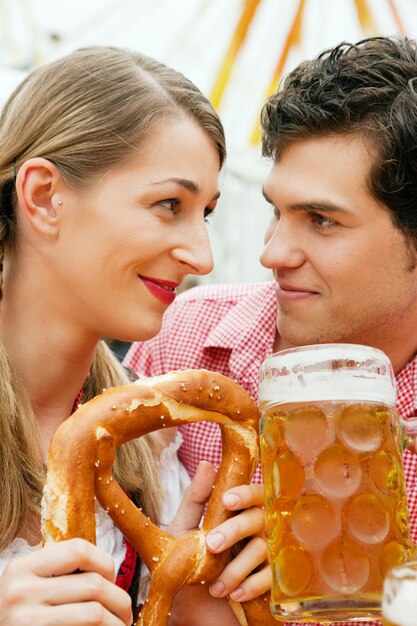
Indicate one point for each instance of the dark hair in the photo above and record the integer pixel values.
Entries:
(368, 89)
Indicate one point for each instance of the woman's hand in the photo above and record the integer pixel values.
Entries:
(68, 583)
(247, 575)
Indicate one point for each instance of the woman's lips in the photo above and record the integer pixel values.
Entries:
(164, 290)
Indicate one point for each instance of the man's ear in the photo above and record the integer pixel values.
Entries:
(38, 187)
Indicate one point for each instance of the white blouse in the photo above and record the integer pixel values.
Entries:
(174, 479)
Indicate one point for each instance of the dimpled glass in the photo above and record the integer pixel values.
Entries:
(336, 510)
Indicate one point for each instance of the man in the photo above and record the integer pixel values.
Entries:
(341, 244)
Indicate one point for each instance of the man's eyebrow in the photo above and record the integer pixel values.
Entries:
(190, 185)
(316, 205)
(323, 206)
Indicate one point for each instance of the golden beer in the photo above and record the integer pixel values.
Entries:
(336, 510)
(399, 601)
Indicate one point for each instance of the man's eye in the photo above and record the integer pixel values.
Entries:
(322, 222)
(276, 212)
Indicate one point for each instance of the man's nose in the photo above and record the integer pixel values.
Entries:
(283, 246)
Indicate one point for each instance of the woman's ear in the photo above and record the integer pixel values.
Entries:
(38, 186)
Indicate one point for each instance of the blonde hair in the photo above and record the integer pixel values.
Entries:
(86, 113)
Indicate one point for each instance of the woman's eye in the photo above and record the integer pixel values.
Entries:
(170, 204)
(208, 214)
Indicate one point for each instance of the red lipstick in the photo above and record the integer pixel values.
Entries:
(164, 290)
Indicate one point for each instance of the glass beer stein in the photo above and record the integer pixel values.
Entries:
(336, 510)
(399, 600)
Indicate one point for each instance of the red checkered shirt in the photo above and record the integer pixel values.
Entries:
(230, 329)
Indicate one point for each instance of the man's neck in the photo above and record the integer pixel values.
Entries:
(280, 343)
(400, 354)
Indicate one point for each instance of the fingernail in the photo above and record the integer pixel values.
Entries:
(231, 499)
(215, 540)
(237, 593)
(217, 588)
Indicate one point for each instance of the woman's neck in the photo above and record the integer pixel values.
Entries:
(52, 382)
(52, 361)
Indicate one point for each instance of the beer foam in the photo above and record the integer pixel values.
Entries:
(402, 608)
(327, 372)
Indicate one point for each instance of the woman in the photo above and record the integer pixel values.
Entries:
(109, 166)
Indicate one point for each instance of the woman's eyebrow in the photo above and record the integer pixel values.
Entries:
(184, 182)
(190, 185)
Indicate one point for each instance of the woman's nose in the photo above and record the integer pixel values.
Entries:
(195, 251)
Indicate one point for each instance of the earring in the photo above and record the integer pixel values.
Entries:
(60, 202)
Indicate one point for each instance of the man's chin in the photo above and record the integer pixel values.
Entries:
(292, 336)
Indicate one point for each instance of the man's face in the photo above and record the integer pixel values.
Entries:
(343, 271)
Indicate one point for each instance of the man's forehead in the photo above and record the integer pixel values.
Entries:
(335, 165)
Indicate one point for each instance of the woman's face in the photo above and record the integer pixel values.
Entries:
(132, 238)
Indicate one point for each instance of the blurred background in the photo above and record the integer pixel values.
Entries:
(236, 51)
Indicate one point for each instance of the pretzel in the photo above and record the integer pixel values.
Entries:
(79, 467)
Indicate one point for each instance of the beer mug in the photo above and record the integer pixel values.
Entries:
(399, 600)
(336, 510)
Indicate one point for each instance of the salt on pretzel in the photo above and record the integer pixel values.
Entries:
(79, 468)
